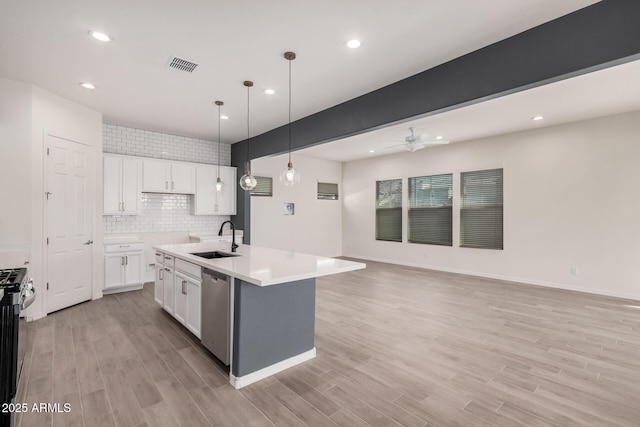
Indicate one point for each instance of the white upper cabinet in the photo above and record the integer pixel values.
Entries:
(122, 185)
(162, 176)
(183, 178)
(206, 200)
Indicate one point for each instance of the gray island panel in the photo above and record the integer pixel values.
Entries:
(271, 323)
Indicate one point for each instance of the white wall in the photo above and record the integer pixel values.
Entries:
(15, 173)
(571, 199)
(316, 227)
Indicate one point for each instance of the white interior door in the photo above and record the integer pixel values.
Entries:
(69, 222)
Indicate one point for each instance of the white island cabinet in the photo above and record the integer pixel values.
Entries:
(122, 185)
(164, 176)
(123, 267)
(178, 290)
(269, 304)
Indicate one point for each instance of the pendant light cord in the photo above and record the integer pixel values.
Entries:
(248, 170)
(289, 111)
(219, 106)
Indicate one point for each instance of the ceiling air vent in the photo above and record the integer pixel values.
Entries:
(182, 64)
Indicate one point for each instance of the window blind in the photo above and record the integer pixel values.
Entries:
(430, 209)
(481, 213)
(389, 210)
(264, 186)
(327, 191)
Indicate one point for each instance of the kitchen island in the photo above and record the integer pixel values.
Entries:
(264, 302)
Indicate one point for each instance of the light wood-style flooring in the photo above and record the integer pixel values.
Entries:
(396, 346)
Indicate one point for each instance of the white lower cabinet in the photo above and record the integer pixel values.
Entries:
(167, 286)
(178, 290)
(158, 290)
(123, 266)
(194, 304)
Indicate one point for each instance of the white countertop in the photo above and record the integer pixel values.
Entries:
(114, 239)
(261, 266)
(214, 235)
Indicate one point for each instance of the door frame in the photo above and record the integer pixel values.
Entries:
(45, 215)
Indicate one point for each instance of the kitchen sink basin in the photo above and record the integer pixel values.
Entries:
(214, 254)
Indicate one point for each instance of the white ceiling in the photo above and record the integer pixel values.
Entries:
(606, 92)
(46, 43)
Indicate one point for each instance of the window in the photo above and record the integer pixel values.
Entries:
(389, 210)
(430, 210)
(327, 191)
(264, 186)
(481, 209)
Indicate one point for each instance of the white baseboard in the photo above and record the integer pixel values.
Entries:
(245, 380)
(37, 316)
(524, 281)
(121, 289)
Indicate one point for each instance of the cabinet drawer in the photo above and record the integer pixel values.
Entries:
(167, 260)
(189, 268)
(159, 257)
(124, 247)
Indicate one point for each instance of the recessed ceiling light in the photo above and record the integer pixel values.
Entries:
(87, 85)
(537, 118)
(223, 117)
(439, 137)
(100, 36)
(372, 151)
(353, 44)
(269, 91)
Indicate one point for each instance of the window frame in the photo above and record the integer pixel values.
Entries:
(393, 212)
(327, 195)
(264, 194)
(440, 215)
(495, 210)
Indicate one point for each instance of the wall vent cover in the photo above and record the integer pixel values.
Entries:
(182, 64)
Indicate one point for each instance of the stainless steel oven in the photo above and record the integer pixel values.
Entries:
(18, 294)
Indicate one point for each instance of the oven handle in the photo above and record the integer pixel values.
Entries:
(29, 295)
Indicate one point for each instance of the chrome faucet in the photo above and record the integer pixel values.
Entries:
(233, 235)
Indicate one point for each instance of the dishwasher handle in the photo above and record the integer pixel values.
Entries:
(215, 275)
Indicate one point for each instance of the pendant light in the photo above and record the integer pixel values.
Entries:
(290, 176)
(248, 182)
(219, 183)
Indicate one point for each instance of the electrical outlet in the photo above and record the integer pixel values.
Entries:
(574, 271)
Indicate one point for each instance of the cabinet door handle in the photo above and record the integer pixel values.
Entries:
(172, 185)
(166, 185)
(126, 260)
(166, 269)
(167, 257)
(158, 254)
(122, 260)
(160, 274)
(123, 208)
(184, 289)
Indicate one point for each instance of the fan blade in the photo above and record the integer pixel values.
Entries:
(397, 145)
(413, 147)
(434, 141)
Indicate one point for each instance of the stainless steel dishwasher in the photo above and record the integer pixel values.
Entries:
(215, 313)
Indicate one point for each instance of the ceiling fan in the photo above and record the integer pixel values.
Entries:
(415, 142)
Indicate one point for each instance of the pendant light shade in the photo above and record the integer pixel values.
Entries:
(247, 181)
(219, 183)
(290, 176)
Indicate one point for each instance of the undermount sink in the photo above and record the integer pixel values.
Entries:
(214, 254)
